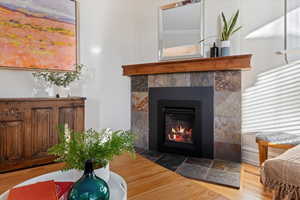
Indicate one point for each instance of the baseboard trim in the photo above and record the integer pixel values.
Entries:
(250, 155)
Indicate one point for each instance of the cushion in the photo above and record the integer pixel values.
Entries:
(279, 138)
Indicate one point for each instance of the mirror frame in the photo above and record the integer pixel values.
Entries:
(160, 28)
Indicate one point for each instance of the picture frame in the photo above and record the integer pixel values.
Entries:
(183, 47)
(47, 40)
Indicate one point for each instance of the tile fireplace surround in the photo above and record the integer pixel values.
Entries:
(222, 74)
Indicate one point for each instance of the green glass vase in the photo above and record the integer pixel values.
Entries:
(89, 186)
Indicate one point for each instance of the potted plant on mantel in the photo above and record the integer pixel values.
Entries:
(75, 148)
(61, 80)
(229, 29)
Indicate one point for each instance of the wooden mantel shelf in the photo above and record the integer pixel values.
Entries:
(240, 62)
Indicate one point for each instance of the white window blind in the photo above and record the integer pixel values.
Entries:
(273, 103)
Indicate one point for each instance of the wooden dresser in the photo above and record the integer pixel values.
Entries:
(28, 127)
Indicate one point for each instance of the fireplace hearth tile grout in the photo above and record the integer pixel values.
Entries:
(215, 171)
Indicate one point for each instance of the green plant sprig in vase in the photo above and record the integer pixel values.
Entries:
(60, 79)
(228, 30)
(75, 148)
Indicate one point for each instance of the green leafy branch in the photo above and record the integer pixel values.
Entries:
(61, 79)
(75, 148)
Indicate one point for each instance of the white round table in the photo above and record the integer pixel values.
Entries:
(117, 185)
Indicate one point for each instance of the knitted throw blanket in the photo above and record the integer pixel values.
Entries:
(282, 175)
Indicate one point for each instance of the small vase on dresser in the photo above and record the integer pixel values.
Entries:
(62, 92)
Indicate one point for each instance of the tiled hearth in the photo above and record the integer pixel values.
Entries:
(214, 171)
(227, 106)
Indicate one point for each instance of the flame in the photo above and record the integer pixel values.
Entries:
(180, 134)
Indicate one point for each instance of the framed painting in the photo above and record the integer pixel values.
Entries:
(38, 34)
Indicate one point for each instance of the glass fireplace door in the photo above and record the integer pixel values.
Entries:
(179, 125)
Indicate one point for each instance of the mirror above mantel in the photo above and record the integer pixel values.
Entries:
(181, 30)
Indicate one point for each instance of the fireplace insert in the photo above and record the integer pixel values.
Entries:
(181, 120)
(178, 125)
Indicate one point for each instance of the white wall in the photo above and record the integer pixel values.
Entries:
(256, 14)
(109, 26)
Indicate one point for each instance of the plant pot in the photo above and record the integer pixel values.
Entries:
(63, 92)
(50, 91)
(225, 48)
(103, 173)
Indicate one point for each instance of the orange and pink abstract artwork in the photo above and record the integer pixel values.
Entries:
(38, 34)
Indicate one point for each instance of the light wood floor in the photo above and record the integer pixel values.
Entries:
(147, 180)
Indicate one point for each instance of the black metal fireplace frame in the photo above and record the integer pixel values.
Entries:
(199, 98)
